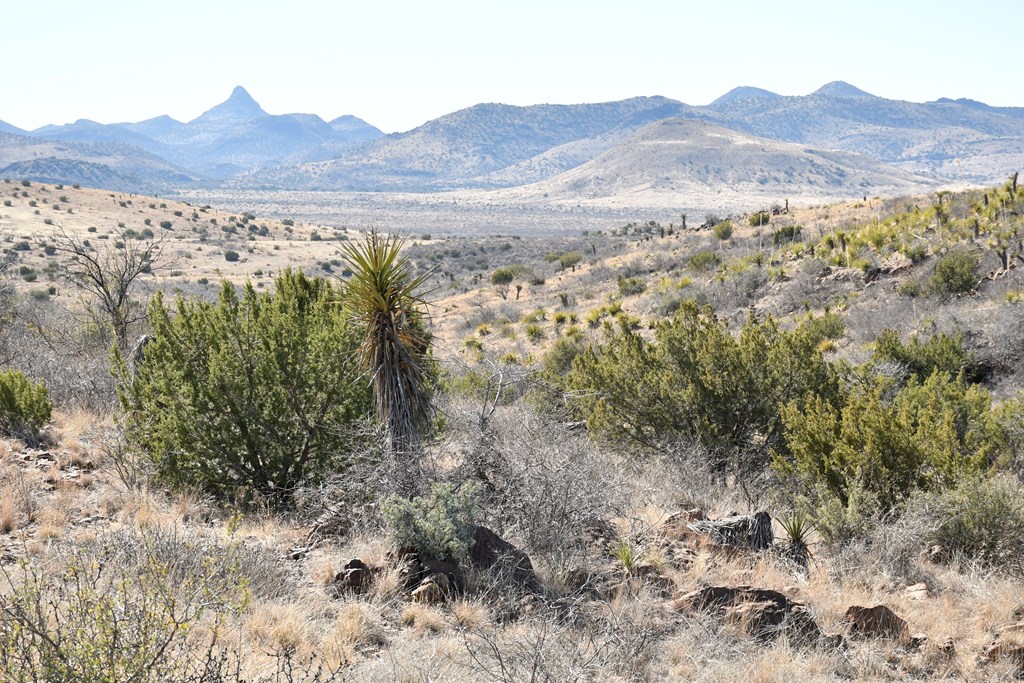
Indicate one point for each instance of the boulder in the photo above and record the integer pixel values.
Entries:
(919, 591)
(355, 576)
(1001, 650)
(878, 622)
(428, 593)
(491, 552)
(757, 612)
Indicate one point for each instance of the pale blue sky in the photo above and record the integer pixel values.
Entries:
(398, 64)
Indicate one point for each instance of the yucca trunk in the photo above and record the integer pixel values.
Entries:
(383, 298)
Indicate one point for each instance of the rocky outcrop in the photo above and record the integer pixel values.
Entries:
(757, 612)
(876, 622)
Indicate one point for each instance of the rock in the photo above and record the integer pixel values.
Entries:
(490, 551)
(428, 593)
(410, 570)
(1003, 650)
(758, 612)
(896, 263)
(917, 641)
(878, 621)
(354, 576)
(451, 577)
(919, 591)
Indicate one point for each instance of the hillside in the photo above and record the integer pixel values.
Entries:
(457, 149)
(102, 164)
(682, 162)
(950, 140)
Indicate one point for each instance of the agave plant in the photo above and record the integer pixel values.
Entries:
(797, 526)
(385, 299)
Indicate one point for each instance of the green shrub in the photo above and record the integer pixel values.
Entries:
(704, 261)
(570, 260)
(631, 286)
(231, 256)
(941, 353)
(438, 526)
(558, 359)
(955, 273)
(930, 436)
(121, 609)
(723, 230)
(785, 235)
(24, 406)
(760, 218)
(256, 391)
(697, 382)
(981, 520)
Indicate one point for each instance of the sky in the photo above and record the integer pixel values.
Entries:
(400, 64)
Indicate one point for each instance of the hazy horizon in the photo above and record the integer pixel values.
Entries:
(406, 63)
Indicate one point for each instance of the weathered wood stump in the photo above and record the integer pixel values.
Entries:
(742, 531)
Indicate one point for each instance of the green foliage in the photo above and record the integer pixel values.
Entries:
(231, 256)
(697, 382)
(931, 435)
(503, 276)
(570, 260)
(257, 391)
(704, 261)
(534, 332)
(723, 230)
(631, 286)
(760, 218)
(627, 554)
(558, 359)
(797, 527)
(979, 519)
(955, 273)
(785, 235)
(940, 353)
(438, 526)
(24, 406)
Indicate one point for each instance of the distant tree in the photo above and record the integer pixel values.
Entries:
(570, 260)
(110, 274)
(501, 279)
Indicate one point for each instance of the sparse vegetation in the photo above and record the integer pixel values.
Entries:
(545, 519)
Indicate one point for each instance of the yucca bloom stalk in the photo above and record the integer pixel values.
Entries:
(384, 298)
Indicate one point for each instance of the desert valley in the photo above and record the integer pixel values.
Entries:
(627, 391)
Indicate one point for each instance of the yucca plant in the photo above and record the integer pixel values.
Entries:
(797, 526)
(385, 299)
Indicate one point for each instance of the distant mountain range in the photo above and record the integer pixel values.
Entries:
(838, 138)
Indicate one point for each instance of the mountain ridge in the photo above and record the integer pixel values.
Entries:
(491, 146)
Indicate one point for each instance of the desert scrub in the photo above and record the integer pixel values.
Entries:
(257, 392)
(698, 382)
(438, 526)
(931, 435)
(113, 612)
(955, 273)
(704, 261)
(979, 519)
(24, 406)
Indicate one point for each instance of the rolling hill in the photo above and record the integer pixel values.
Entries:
(684, 162)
